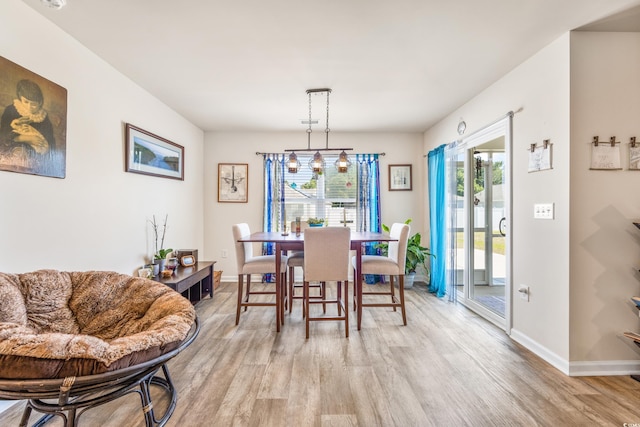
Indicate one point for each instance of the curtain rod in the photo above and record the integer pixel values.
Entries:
(509, 114)
(258, 153)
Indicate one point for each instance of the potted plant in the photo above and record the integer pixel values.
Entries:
(160, 255)
(315, 222)
(417, 255)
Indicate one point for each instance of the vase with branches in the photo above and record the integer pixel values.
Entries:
(159, 231)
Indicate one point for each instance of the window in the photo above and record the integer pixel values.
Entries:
(351, 199)
(329, 195)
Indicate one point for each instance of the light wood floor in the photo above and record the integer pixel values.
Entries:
(446, 368)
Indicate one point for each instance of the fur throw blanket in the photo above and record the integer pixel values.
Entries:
(55, 324)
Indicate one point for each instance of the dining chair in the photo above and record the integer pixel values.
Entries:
(296, 259)
(248, 264)
(392, 264)
(326, 259)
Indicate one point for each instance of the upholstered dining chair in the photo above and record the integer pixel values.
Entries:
(326, 259)
(296, 259)
(393, 265)
(249, 264)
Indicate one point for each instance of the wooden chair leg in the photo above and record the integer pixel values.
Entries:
(393, 291)
(240, 286)
(339, 297)
(323, 295)
(355, 299)
(291, 277)
(285, 290)
(304, 306)
(283, 300)
(346, 308)
(305, 296)
(246, 299)
(401, 287)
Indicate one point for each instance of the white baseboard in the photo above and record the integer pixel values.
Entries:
(604, 368)
(577, 369)
(550, 357)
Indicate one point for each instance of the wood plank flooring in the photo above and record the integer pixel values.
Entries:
(447, 367)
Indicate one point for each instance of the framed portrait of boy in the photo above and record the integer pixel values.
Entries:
(33, 125)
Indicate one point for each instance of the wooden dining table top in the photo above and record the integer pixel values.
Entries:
(278, 237)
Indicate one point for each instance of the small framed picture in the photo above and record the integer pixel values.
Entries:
(187, 261)
(233, 180)
(150, 154)
(634, 156)
(400, 178)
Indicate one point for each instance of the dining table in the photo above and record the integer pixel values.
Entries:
(291, 242)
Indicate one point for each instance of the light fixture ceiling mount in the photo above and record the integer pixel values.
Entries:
(317, 163)
(54, 4)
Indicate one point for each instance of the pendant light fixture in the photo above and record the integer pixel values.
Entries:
(317, 164)
(343, 163)
(293, 164)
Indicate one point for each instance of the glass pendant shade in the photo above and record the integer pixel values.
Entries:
(316, 164)
(293, 164)
(343, 163)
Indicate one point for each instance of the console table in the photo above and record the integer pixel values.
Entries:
(194, 282)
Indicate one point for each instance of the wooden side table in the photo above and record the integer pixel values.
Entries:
(194, 282)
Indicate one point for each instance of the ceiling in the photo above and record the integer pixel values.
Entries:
(396, 66)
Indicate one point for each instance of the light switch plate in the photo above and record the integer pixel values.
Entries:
(543, 211)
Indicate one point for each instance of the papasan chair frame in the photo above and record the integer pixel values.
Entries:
(70, 397)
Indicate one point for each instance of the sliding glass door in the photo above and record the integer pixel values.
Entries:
(478, 212)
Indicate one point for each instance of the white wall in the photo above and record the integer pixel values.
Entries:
(582, 266)
(540, 86)
(605, 246)
(238, 147)
(95, 218)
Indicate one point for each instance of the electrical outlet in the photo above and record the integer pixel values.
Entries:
(543, 211)
(224, 253)
(524, 292)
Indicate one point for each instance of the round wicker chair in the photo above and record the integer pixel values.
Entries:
(72, 341)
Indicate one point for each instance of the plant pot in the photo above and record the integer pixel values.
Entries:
(161, 263)
(155, 269)
(409, 278)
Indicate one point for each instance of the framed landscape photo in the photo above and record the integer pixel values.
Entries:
(150, 154)
(400, 178)
(233, 182)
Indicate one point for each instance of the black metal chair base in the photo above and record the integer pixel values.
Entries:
(71, 411)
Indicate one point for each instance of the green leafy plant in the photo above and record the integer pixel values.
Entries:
(416, 253)
(162, 253)
(315, 221)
